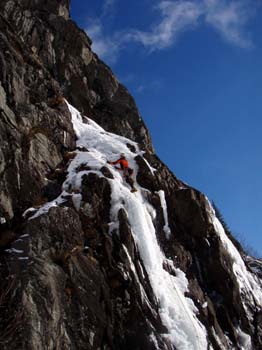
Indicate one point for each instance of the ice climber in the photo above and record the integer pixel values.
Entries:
(127, 172)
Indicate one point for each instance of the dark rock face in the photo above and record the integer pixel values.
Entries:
(65, 52)
(68, 282)
(34, 133)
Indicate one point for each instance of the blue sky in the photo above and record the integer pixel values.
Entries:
(194, 70)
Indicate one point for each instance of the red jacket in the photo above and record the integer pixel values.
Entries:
(123, 163)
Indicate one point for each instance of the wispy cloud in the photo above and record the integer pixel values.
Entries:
(228, 17)
(176, 17)
(106, 46)
(108, 7)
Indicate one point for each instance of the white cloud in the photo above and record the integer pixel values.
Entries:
(105, 46)
(227, 17)
(175, 18)
(108, 7)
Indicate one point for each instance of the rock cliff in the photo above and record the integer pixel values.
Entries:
(85, 263)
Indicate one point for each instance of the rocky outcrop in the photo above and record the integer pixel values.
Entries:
(45, 56)
(35, 130)
(65, 52)
(71, 279)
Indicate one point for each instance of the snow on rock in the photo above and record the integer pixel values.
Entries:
(154, 341)
(249, 285)
(29, 210)
(177, 312)
(152, 170)
(218, 340)
(77, 200)
(13, 250)
(45, 208)
(244, 340)
(205, 304)
(166, 228)
(91, 338)
(141, 288)
(2, 220)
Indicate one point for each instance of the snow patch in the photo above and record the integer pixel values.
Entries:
(249, 287)
(13, 250)
(166, 228)
(217, 339)
(77, 198)
(154, 341)
(152, 170)
(2, 220)
(207, 242)
(177, 312)
(46, 207)
(143, 295)
(29, 210)
(91, 338)
(244, 340)
(247, 283)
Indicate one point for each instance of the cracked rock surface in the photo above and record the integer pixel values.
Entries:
(67, 281)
